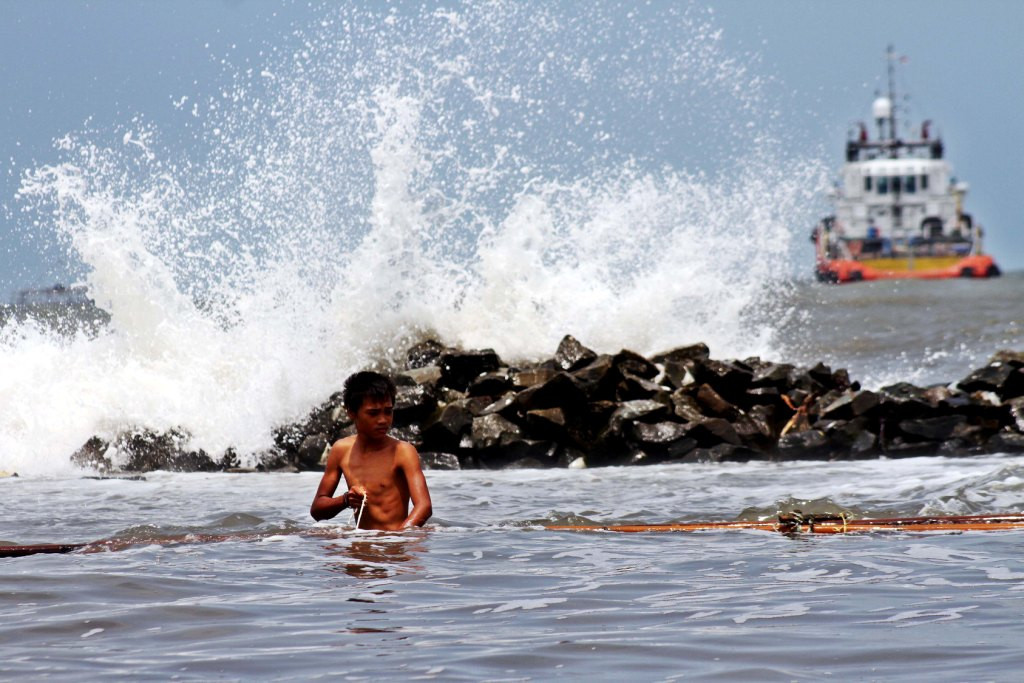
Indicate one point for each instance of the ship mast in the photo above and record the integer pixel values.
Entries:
(892, 101)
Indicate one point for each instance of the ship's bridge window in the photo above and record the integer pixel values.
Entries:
(867, 183)
(896, 184)
(910, 184)
(883, 185)
(924, 182)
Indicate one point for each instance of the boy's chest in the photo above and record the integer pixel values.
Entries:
(375, 474)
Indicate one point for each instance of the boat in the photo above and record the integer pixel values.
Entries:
(898, 209)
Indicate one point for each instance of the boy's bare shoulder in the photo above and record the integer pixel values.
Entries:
(402, 446)
(342, 446)
(405, 451)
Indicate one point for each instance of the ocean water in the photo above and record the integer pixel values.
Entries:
(483, 593)
(495, 176)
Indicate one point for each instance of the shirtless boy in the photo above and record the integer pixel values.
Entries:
(387, 471)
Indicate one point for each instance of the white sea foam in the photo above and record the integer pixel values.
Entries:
(495, 176)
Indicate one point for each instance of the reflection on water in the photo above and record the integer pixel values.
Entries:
(376, 558)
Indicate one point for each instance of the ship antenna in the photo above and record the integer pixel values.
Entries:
(892, 94)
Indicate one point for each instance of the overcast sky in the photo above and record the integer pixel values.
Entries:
(65, 62)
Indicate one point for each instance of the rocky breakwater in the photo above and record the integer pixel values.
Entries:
(469, 409)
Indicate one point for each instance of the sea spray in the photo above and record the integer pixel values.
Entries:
(497, 175)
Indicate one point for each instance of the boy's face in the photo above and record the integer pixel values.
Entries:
(373, 419)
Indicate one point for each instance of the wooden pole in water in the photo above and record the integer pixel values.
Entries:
(830, 524)
(791, 524)
(44, 548)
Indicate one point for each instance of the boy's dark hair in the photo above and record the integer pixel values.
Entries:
(367, 385)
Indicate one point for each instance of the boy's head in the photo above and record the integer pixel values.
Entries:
(367, 385)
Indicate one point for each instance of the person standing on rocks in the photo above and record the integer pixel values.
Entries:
(382, 473)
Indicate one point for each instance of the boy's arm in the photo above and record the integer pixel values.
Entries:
(409, 461)
(325, 504)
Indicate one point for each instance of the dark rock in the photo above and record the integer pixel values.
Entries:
(401, 379)
(841, 380)
(685, 407)
(819, 403)
(493, 430)
(1004, 379)
(958, 448)
(518, 453)
(459, 368)
(528, 463)
(413, 404)
(490, 384)
(634, 364)
(665, 439)
(800, 379)
(439, 461)
(599, 380)
(722, 452)
(587, 428)
(842, 434)
(771, 417)
(413, 433)
(145, 451)
(711, 431)
(561, 391)
(476, 405)
(763, 396)
(329, 418)
(229, 460)
(680, 373)
(729, 378)
(642, 410)
(940, 394)
(864, 445)
(572, 457)
(423, 354)
(822, 374)
(1016, 407)
(272, 460)
(446, 431)
(632, 388)
(572, 355)
(522, 379)
(506, 406)
(427, 374)
(1015, 358)
(93, 455)
(311, 452)
(694, 352)
(903, 401)
(850, 405)
(547, 423)
(935, 428)
(754, 431)
(985, 409)
(713, 404)
(808, 445)
(1006, 441)
(902, 448)
(772, 375)
(615, 440)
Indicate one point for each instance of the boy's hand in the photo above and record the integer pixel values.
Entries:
(354, 497)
